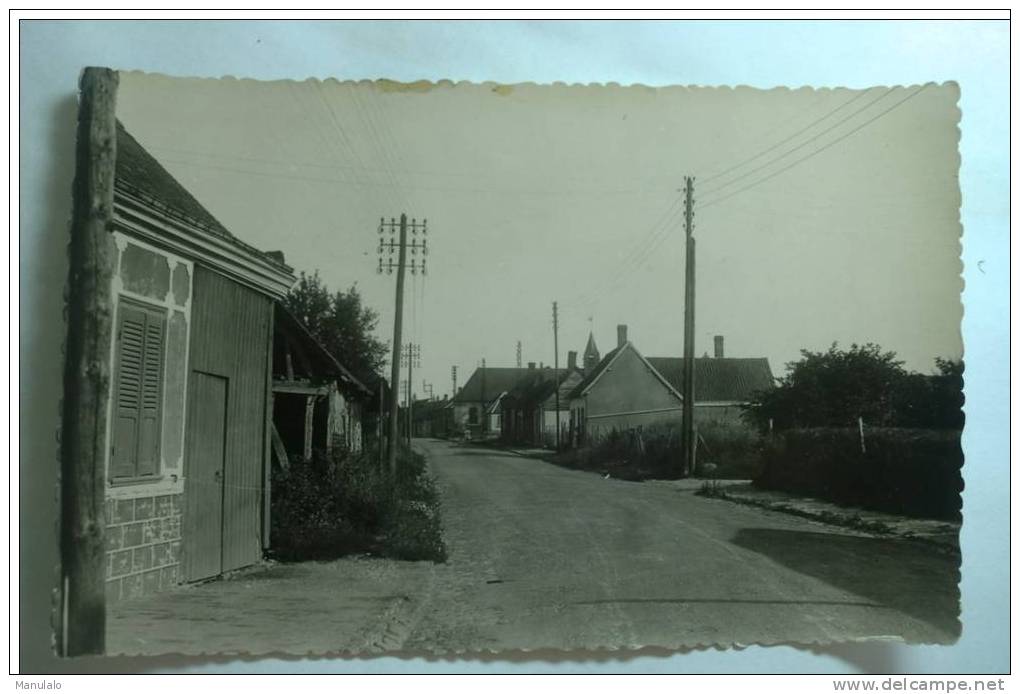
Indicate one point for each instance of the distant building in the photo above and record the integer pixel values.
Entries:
(625, 390)
(476, 406)
(430, 417)
(529, 409)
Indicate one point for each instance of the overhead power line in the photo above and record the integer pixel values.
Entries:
(800, 146)
(819, 150)
(657, 239)
(782, 142)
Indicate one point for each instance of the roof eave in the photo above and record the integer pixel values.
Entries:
(228, 255)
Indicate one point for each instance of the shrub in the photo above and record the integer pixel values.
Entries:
(331, 506)
(914, 472)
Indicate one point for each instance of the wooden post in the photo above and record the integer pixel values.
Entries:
(309, 419)
(83, 445)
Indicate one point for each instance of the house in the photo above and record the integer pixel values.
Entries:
(626, 390)
(529, 408)
(317, 403)
(476, 407)
(189, 420)
(722, 385)
(622, 391)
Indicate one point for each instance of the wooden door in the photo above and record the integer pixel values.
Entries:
(203, 482)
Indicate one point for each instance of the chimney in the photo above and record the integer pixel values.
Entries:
(571, 360)
(718, 346)
(531, 365)
(621, 335)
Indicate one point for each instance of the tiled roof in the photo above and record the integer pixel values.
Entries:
(538, 385)
(498, 379)
(718, 380)
(139, 173)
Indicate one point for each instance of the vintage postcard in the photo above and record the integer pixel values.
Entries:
(363, 367)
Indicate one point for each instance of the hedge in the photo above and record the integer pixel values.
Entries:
(913, 472)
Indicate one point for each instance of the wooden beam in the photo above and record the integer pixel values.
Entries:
(309, 419)
(83, 444)
(280, 449)
(330, 418)
(298, 388)
(289, 359)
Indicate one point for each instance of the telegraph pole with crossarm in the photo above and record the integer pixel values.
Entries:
(411, 358)
(389, 247)
(687, 422)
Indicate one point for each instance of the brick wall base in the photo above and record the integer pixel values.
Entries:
(143, 545)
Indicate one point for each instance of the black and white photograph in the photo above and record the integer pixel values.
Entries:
(374, 367)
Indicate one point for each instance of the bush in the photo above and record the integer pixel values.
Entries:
(914, 472)
(332, 506)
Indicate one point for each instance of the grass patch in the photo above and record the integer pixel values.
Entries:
(726, 450)
(329, 507)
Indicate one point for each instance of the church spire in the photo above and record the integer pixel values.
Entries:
(591, 354)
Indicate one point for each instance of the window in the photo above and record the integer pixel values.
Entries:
(138, 392)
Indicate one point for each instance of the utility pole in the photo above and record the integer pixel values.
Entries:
(453, 377)
(412, 359)
(518, 354)
(556, 368)
(379, 422)
(687, 438)
(400, 247)
(485, 414)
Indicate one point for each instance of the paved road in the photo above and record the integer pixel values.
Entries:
(547, 558)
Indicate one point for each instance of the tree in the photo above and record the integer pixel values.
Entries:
(835, 387)
(340, 321)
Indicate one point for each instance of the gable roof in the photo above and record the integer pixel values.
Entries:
(590, 377)
(139, 173)
(718, 379)
(593, 376)
(498, 379)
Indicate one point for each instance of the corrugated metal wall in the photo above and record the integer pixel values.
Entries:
(231, 329)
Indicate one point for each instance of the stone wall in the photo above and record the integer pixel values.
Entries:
(143, 545)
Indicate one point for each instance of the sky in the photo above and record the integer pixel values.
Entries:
(821, 216)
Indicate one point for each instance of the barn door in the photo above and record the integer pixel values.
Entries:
(203, 492)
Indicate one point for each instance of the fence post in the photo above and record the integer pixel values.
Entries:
(860, 429)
